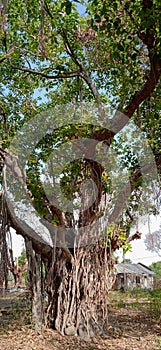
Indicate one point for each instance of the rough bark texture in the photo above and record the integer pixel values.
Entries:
(3, 244)
(78, 291)
(34, 283)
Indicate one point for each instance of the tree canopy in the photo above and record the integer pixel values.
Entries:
(51, 55)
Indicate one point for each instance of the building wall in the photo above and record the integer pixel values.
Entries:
(131, 281)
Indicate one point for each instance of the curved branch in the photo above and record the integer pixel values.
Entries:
(149, 39)
(148, 87)
(43, 234)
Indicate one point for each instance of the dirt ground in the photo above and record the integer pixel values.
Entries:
(132, 326)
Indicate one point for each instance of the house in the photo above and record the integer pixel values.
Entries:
(130, 276)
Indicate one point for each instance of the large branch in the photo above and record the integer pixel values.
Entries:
(149, 39)
(25, 230)
(21, 214)
(148, 87)
(137, 176)
(57, 76)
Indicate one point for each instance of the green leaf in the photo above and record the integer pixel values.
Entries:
(68, 7)
(120, 47)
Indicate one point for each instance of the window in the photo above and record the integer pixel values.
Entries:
(137, 279)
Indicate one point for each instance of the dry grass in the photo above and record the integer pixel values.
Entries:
(132, 325)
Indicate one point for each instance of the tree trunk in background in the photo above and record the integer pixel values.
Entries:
(3, 244)
(15, 269)
(3, 263)
(34, 281)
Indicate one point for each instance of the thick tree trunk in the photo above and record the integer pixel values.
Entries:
(77, 280)
(78, 291)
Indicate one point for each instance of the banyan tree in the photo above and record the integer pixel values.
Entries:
(76, 173)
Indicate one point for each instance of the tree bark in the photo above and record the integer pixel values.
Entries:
(78, 291)
(34, 281)
(77, 280)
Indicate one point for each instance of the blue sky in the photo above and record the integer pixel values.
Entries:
(140, 253)
(81, 9)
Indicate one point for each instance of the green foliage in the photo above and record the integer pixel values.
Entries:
(22, 257)
(158, 341)
(156, 267)
(40, 47)
(21, 260)
(115, 233)
(140, 300)
(127, 261)
(154, 309)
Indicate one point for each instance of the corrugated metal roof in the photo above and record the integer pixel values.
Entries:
(133, 268)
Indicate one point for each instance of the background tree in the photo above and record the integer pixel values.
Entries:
(110, 54)
(156, 267)
(127, 261)
(17, 266)
(153, 241)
